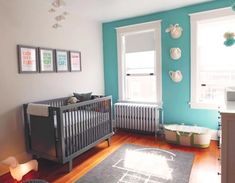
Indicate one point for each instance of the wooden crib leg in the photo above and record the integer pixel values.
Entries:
(109, 141)
(70, 165)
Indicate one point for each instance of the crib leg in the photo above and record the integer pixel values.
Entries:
(70, 165)
(109, 141)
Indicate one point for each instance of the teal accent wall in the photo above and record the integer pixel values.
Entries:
(175, 96)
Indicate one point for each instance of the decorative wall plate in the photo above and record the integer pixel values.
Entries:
(176, 76)
(175, 31)
(175, 53)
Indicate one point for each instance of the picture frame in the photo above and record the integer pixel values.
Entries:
(46, 60)
(62, 60)
(75, 61)
(27, 59)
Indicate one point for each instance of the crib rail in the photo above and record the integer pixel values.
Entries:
(55, 102)
(59, 102)
(69, 130)
(83, 124)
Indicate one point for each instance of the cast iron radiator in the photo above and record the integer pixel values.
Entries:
(137, 117)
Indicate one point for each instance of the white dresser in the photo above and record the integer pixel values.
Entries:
(228, 143)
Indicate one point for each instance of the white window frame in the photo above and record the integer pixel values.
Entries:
(218, 13)
(138, 28)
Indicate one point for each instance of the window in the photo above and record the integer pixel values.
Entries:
(212, 63)
(139, 61)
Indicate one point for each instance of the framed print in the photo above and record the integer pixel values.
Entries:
(62, 63)
(46, 60)
(75, 61)
(27, 59)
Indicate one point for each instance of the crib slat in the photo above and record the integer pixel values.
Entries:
(88, 124)
(103, 118)
(80, 128)
(85, 128)
(106, 118)
(66, 132)
(93, 123)
(92, 132)
(82, 125)
(73, 131)
(96, 121)
(99, 120)
(76, 129)
(69, 135)
(70, 131)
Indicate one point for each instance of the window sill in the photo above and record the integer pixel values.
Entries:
(135, 102)
(206, 106)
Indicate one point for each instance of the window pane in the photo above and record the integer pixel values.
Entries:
(211, 94)
(141, 88)
(140, 62)
(213, 85)
(138, 65)
(216, 63)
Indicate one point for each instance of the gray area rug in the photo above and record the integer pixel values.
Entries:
(139, 164)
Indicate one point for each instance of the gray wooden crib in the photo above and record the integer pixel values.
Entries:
(68, 130)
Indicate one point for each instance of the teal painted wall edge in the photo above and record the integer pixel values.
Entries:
(175, 96)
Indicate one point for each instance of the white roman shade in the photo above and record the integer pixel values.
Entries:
(140, 42)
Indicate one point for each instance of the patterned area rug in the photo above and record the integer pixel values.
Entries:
(139, 164)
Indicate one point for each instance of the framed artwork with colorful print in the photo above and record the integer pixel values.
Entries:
(46, 60)
(27, 59)
(75, 61)
(62, 61)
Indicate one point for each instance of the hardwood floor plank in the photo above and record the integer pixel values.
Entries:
(204, 170)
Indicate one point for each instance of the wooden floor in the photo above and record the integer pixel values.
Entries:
(205, 166)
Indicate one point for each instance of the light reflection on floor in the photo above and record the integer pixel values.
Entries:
(205, 176)
(145, 165)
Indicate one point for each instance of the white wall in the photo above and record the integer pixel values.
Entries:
(28, 22)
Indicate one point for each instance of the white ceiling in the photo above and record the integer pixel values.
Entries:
(108, 10)
(98, 10)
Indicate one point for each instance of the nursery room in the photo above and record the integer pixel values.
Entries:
(117, 91)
